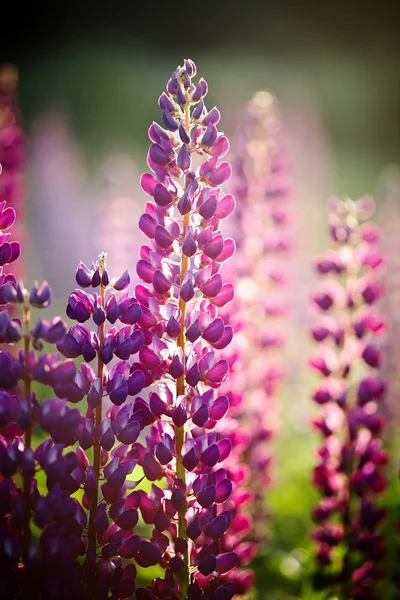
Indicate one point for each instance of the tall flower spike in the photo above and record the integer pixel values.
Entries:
(349, 473)
(181, 293)
(11, 154)
(110, 430)
(260, 226)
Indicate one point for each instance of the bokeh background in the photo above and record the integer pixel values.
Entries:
(90, 74)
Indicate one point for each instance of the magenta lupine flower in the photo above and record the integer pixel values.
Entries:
(260, 229)
(11, 150)
(350, 471)
(180, 296)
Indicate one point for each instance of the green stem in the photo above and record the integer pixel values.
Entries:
(92, 535)
(26, 540)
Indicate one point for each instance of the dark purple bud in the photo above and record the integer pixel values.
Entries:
(201, 416)
(157, 406)
(95, 394)
(175, 368)
(130, 547)
(214, 248)
(163, 454)
(147, 224)
(206, 497)
(117, 389)
(136, 382)
(193, 375)
(183, 134)
(219, 408)
(207, 565)
(193, 332)
(122, 282)
(194, 529)
(96, 278)
(180, 96)
(211, 455)
(88, 352)
(83, 275)
(149, 554)
(105, 279)
(200, 90)
(218, 372)
(176, 564)
(207, 209)
(198, 110)
(184, 204)
(112, 309)
(214, 331)
(190, 460)
(99, 315)
(40, 297)
(162, 197)
(161, 521)
(210, 135)
(217, 527)
(158, 156)
(130, 310)
(162, 237)
(187, 290)
(169, 121)
(130, 433)
(372, 356)
(128, 519)
(179, 416)
(226, 562)
(189, 246)
(101, 519)
(151, 467)
(107, 437)
(178, 499)
(183, 158)
(225, 447)
(213, 116)
(173, 328)
(224, 490)
(165, 103)
(160, 282)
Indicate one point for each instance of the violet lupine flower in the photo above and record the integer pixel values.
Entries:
(112, 515)
(11, 152)
(350, 471)
(46, 566)
(181, 293)
(261, 220)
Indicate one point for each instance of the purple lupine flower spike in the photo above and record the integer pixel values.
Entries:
(112, 432)
(350, 471)
(260, 226)
(11, 164)
(180, 302)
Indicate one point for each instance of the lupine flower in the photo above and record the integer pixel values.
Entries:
(180, 296)
(260, 222)
(112, 515)
(350, 471)
(50, 562)
(11, 153)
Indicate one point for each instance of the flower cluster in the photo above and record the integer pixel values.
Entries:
(181, 293)
(350, 472)
(260, 222)
(11, 150)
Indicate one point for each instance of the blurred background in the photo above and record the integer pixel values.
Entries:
(90, 74)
